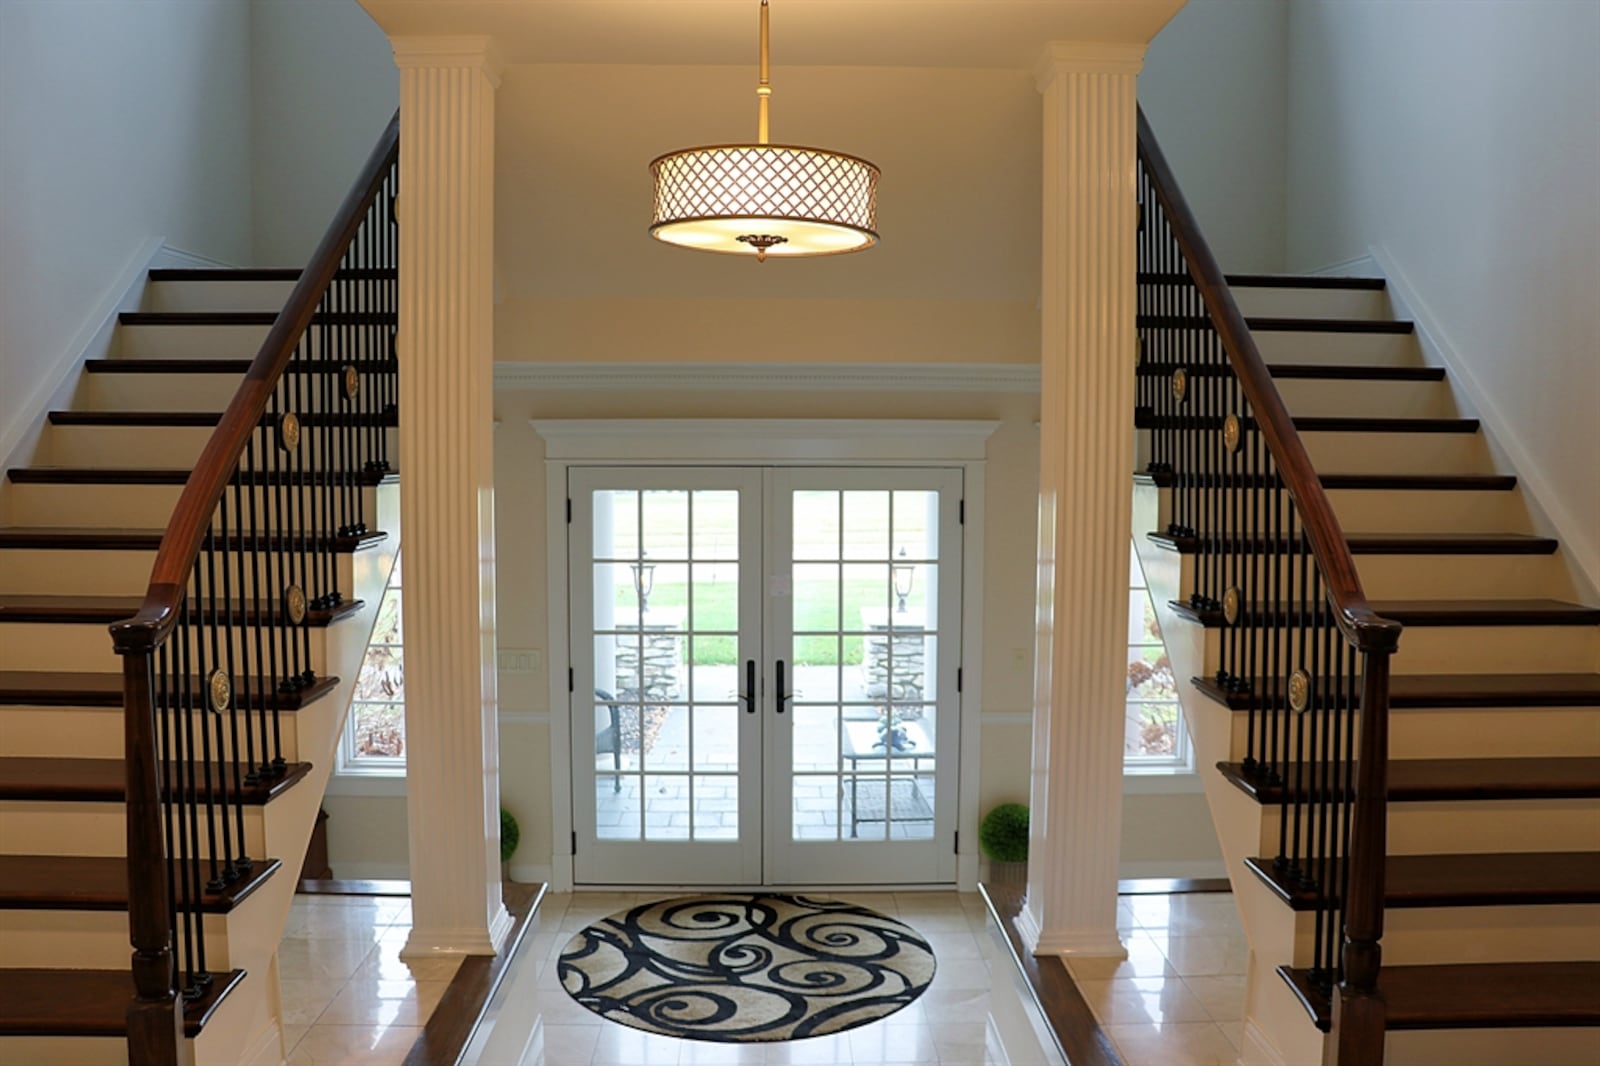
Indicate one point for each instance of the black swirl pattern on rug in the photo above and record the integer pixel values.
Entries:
(734, 968)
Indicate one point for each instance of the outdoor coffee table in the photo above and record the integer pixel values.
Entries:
(863, 745)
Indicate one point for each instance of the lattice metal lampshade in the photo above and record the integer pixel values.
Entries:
(765, 199)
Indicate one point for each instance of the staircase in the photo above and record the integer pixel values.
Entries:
(235, 729)
(1489, 910)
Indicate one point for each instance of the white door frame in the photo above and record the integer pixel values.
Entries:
(764, 442)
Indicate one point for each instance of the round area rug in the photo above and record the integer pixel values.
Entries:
(735, 968)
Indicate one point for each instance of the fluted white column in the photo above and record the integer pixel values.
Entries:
(446, 348)
(1085, 496)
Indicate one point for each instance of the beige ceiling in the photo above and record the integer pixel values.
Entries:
(943, 33)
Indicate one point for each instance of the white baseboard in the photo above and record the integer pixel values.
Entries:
(1258, 1050)
(91, 341)
(1362, 266)
(178, 259)
(1580, 543)
(372, 871)
(1193, 868)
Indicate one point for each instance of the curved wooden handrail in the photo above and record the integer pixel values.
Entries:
(1362, 626)
(191, 518)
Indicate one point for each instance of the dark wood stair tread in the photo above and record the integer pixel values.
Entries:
(1391, 544)
(1275, 324)
(1383, 482)
(1311, 371)
(1455, 690)
(28, 688)
(89, 1002)
(1144, 418)
(1273, 281)
(1534, 612)
(100, 883)
(227, 366)
(90, 538)
(1434, 780)
(249, 318)
(206, 419)
(100, 475)
(1497, 995)
(82, 610)
(104, 781)
(1489, 880)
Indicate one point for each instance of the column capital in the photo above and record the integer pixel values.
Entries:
(449, 52)
(1087, 57)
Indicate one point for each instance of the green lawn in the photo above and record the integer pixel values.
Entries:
(714, 609)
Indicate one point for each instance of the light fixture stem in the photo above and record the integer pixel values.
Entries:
(763, 87)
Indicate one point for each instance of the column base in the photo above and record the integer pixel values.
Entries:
(444, 943)
(1081, 942)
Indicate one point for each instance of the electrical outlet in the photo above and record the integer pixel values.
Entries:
(520, 660)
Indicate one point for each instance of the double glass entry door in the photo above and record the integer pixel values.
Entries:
(764, 675)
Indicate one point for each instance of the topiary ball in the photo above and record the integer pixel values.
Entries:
(1003, 833)
(510, 835)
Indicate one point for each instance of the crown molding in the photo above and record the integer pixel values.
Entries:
(819, 377)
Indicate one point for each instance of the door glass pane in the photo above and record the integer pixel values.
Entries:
(716, 524)
(863, 750)
(816, 525)
(664, 523)
(866, 525)
(666, 807)
(716, 807)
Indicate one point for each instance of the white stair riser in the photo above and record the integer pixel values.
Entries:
(156, 392)
(92, 573)
(122, 447)
(146, 341)
(65, 1050)
(96, 732)
(1296, 302)
(1481, 649)
(1415, 936)
(53, 646)
(1475, 733)
(1444, 577)
(41, 828)
(1397, 453)
(126, 506)
(1368, 399)
(1476, 827)
(176, 447)
(232, 295)
(1339, 349)
(87, 940)
(1396, 511)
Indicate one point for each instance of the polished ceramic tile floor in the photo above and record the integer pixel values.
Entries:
(1177, 1000)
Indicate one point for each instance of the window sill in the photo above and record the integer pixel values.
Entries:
(381, 783)
(1161, 782)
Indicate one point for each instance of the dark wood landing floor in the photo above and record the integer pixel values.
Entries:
(1077, 1032)
(453, 1020)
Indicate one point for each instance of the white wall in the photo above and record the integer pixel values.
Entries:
(325, 85)
(1462, 141)
(1215, 87)
(120, 123)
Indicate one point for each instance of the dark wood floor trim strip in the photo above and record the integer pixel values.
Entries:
(1077, 1033)
(337, 887)
(1172, 886)
(454, 1020)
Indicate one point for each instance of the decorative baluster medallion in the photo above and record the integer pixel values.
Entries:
(288, 431)
(219, 690)
(1180, 384)
(294, 604)
(1230, 433)
(1232, 605)
(1299, 691)
(351, 378)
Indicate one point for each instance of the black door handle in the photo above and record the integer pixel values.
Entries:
(779, 695)
(749, 695)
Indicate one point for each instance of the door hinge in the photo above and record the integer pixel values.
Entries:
(958, 842)
(958, 679)
(569, 510)
(961, 512)
(574, 842)
(572, 680)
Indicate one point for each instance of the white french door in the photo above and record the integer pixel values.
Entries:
(764, 674)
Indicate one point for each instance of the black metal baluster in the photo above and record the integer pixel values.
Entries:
(268, 681)
(210, 612)
(171, 798)
(231, 636)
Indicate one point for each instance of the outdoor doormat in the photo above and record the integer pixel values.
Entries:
(742, 968)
